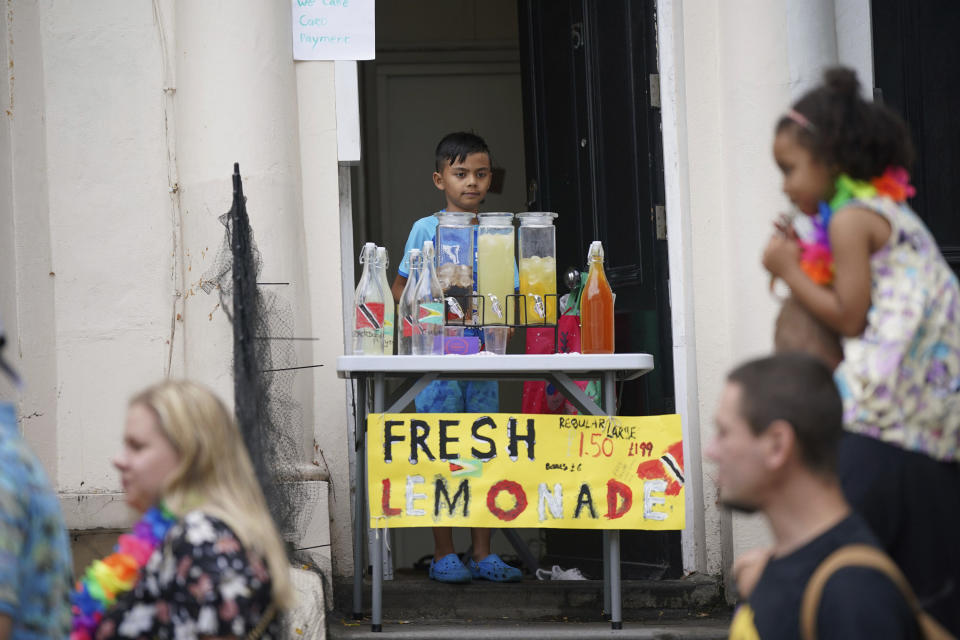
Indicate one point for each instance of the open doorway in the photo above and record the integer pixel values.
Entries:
(565, 94)
(440, 67)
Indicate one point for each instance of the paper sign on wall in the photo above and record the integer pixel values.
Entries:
(333, 29)
(523, 470)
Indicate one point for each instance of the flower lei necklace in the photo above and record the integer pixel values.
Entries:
(816, 258)
(116, 574)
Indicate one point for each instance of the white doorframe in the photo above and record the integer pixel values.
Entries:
(673, 126)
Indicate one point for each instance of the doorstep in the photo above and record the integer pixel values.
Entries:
(709, 628)
(413, 597)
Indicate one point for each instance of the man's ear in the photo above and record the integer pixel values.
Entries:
(781, 442)
(438, 180)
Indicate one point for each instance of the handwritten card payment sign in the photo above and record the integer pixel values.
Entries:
(333, 29)
(523, 470)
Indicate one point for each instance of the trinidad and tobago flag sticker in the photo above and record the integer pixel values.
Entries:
(369, 315)
(668, 467)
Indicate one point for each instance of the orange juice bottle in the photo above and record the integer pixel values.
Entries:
(596, 306)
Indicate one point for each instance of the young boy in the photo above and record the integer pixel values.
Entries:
(463, 172)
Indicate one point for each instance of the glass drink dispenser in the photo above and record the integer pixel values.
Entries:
(455, 264)
(538, 267)
(495, 264)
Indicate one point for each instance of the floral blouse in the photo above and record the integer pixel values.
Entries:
(201, 582)
(900, 379)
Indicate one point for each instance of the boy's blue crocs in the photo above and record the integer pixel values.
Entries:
(495, 569)
(449, 569)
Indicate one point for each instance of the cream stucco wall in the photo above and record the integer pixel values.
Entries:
(123, 121)
(729, 69)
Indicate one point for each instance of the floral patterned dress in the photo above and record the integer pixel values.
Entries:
(201, 582)
(900, 379)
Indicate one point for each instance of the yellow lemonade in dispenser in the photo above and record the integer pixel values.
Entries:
(538, 277)
(538, 267)
(495, 266)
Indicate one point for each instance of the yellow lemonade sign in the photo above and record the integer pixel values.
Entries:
(522, 470)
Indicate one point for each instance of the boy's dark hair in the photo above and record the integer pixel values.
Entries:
(455, 147)
(797, 388)
(846, 132)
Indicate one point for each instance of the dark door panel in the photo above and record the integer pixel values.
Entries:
(917, 70)
(593, 156)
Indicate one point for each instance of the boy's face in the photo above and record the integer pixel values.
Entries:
(465, 183)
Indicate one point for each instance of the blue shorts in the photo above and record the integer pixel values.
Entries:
(459, 396)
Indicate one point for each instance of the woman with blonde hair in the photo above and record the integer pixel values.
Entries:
(205, 560)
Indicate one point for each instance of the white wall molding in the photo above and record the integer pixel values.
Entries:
(676, 183)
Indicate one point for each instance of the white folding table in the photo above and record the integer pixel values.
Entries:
(416, 372)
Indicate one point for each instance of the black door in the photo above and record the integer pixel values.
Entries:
(916, 60)
(592, 131)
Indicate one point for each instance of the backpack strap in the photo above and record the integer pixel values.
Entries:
(265, 619)
(851, 555)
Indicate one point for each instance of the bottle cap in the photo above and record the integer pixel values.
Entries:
(369, 252)
(595, 251)
(495, 219)
(383, 258)
(427, 252)
(536, 218)
(455, 218)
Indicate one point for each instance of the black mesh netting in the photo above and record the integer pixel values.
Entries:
(264, 366)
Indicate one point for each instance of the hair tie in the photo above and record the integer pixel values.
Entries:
(801, 120)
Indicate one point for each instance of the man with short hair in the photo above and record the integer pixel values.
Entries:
(778, 425)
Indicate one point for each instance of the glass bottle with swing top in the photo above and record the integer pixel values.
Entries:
(429, 307)
(383, 261)
(406, 312)
(368, 307)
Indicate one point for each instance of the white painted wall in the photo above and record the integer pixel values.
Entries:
(123, 120)
(107, 226)
(729, 69)
(855, 39)
(26, 286)
(323, 264)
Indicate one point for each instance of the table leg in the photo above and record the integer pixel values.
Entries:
(376, 622)
(360, 523)
(606, 574)
(585, 404)
(616, 615)
(526, 556)
(577, 396)
(410, 390)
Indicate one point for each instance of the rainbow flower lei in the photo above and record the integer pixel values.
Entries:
(816, 258)
(106, 579)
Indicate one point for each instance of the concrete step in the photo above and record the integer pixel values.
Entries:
(693, 629)
(414, 597)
